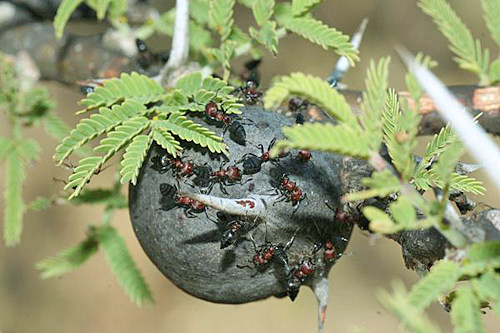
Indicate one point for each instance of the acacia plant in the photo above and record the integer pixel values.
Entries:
(164, 105)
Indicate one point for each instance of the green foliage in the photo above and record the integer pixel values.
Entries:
(110, 198)
(166, 141)
(98, 124)
(491, 9)
(134, 157)
(64, 11)
(267, 36)
(373, 101)
(140, 88)
(116, 140)
(324, 137)
(190, 131)
(67, 7)
(469, 54)
(440, 279)
(465, 312)
(221, 17)
(410, 316)
(68, 259)
(484, 251)
(319, 33)
(262, 11)
(14, 204)
(314, 90)
(487, 289)
(381, 184)
(300, 7)
(123, 265)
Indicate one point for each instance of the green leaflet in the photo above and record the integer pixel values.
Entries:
(191, 131)
(100, 6)
(103, 122)
(465, 312)
(381, 184)
(41, 203)
(101, 196)
(267, 36)
(166, 141)
(321, 34)
(441, 278)
(64, 11)
(189, 84)
(324, 137)
(300, 7)
(487, 288)
(469, 54)
(374, 98)
(115, 141)
(137, 87)
(134, 156)
(13, 200)
(478, 267)
(315, 90)
(221, 17)
(484, 251)
(123, 266)
(447, 161)
(58, 129)
(412, 318)
(491, 9)
(495, 71)
(262, 11)
(68, 259)
(5, 147)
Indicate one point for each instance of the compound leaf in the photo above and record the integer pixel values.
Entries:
(465, 312)
(441, 278)
(138, 87)
(267, 36)
(123, 266)
(68, 259)
(190, 131)
(484, 251)
(5, 147)
(115, 141)
(221, 17)
(98, 124)
(321, 34)
(314, 90)
(262, 10)
(468, 51)
(134, 156)
(487, 288)
(189, 84)
(64, 11)
(166, 140)
(374, 98)
(300, 7)
(14, 205)
(491, 9)
(324, 137)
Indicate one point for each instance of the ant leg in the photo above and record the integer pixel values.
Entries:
(222, 189)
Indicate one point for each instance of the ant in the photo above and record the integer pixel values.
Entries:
(170, 199)
(234, 228)
(304, 155)
(230, 176)
(252, 163)
(298, 275)
(252, 80)
(290, 191)
(164, 163)
(236, 130)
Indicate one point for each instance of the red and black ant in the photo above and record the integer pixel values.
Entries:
(251, 77)
(164, 163)
(234, 228)
(226, 177)
(236, 130)
(290, 191)
(252, 163)
(304, 155)
(170, 199)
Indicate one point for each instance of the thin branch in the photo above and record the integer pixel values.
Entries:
(180, 41)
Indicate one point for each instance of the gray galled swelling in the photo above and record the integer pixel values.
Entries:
(187, 250)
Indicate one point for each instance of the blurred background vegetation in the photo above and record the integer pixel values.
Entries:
(90, 298)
